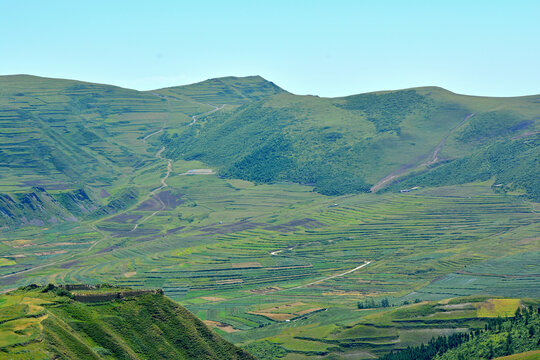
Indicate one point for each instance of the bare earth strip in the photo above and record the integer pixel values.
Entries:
(331, 277)
(433, 157)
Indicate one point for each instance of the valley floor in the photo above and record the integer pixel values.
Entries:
(282, 263)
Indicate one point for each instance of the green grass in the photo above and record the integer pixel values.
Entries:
(346, 145)
(528, 355)
(226, 247)
(147, 326)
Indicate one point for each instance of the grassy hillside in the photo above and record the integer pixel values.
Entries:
(227, 90)
(103, 323)
(68, 137)
(516, 337)
(398, 331)
(366, 142)
(269, 263)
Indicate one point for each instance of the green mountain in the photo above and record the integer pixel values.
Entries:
(103, 323)
(269, 215)
(227, 90)
(68, 137)
(71, 137)
(366, 142)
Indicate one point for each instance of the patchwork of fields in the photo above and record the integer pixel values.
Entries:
(274, 265)
(237, 254)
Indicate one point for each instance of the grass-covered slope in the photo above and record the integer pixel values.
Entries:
(88, 136)
(104, 323)
(514, 164)
(501, 338)
(404, 331)
(226, 90)
(68, 136)
(366, 142)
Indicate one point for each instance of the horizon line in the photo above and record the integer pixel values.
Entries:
(263, 78)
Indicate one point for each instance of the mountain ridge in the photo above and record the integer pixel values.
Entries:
(89, 136)
(259, 77)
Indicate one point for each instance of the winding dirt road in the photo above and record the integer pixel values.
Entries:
(330, 277)
(152, 193)
(169, 163)
(195, 117)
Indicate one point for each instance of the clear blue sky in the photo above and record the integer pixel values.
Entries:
(329, 48)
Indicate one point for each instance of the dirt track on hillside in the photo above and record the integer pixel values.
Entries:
(432, 156)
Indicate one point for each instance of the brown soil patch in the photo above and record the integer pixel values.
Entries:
(176, 229)
(230, 281)
(219, 325)
(50, 253)
(265, 290)
(18, 244)
(273, 316)
(14, 256)
(167, 197)
(527, 241)
(170, 199)
(304, 312)
(285, 306)
(344, 293)
(130, 274)
(247, 264)
(149, 205)
(125, 218)
(212, 298)
(67, 244)
(70, 264)
(457, 306)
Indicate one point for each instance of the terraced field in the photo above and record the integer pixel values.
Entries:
(237, 254)
(263, 263)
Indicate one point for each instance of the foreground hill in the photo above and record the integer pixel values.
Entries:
(501, 338)
(103, 323)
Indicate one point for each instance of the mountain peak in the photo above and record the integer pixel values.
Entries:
(229, 90)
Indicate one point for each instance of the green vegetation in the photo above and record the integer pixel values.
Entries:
(43, 322)
(346, 145)
(227, 90)
(514, 165)
(266, 350)
(499, 337)
(495, 124)
(387, 110)
(256, 215)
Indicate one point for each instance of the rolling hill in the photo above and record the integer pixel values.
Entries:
(270, 215)
(369, 141)
(61, 137)
(103, 323)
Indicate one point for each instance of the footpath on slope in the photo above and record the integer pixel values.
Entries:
(152, 193)
(433, 157)
(169, 161)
